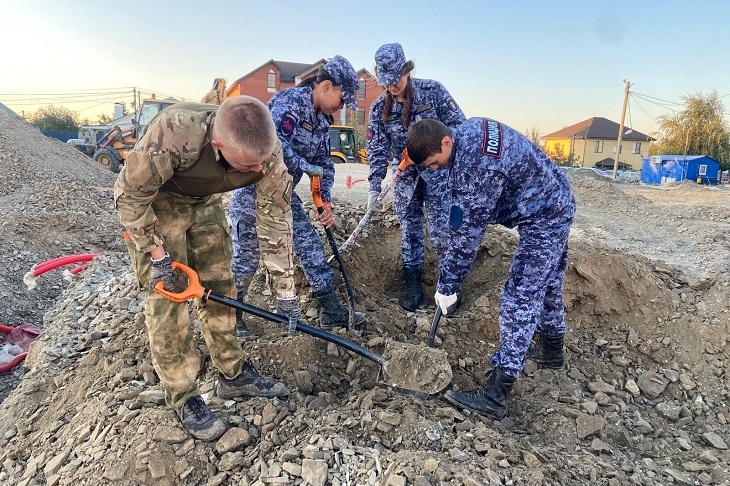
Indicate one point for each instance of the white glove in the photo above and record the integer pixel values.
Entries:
(448, 303)
(372, 196)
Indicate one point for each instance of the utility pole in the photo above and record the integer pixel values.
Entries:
(621, 128)
(134, 100)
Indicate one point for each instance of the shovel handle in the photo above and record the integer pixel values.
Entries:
(193, 290)
(316, 187)
(434, 325)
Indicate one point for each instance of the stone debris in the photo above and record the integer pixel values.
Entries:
(644, 398)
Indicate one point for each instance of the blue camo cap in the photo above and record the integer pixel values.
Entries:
(389, 62)
(344, 76)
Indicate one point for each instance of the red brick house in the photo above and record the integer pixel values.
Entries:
(273, 76)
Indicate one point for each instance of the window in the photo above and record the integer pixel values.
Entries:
(360, 115)
(703, 169)
(271, 81)
(614, 150)
(599, 146)
(361, 91)
(637, 148)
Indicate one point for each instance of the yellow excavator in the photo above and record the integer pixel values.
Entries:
(343, 143)
(112, 149)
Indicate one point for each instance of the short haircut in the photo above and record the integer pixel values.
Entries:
(244, 124)
(424, 139)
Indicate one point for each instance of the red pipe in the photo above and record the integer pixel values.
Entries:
(49, 265)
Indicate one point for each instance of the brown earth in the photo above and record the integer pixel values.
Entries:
(644, 398)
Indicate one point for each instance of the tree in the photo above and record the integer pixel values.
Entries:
(559, 157)
(699, 129)
(533, 135)
(55, 118)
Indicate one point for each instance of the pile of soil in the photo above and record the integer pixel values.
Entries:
(644, 398)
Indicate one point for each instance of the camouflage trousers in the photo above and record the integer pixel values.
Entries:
(307, 243)
(196, 234)
(410, 196)
(532, 299)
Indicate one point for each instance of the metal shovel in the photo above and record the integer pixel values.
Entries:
(410, 369)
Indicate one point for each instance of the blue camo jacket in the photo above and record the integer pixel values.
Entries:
(430, 100)
(304, 134)
(497, 176)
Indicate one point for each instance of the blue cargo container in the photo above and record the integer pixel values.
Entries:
(661, 169)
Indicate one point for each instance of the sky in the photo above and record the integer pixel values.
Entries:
(530, 64)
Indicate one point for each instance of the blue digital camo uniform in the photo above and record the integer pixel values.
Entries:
(499, 177)
(417, 185)
(304, 134)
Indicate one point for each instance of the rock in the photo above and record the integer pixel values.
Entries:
(156, 466)
(314, 471)
(678, 476)
(234, 439)
(231, 460)
(652, 384)
(156, 397)
(715, 440)
(588, 425)
(668, 411)
(631, 387)
(169, 435)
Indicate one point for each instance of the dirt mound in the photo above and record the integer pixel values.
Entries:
(644, 399)
(54, 201)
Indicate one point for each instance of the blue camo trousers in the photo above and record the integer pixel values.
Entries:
(307, 243)
(410, 195)
(532, 298)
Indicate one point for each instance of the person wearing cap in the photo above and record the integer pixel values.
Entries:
(498, 176)
(302, 116)
(405, 101)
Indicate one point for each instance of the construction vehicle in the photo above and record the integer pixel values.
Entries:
(344, 147)
(113, 147)
(343, 142)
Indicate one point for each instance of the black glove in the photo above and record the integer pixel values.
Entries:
(162, 272)
(286, 305)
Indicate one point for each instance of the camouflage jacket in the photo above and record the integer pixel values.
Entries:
(497, 176)
(175, 155)
(431, 100)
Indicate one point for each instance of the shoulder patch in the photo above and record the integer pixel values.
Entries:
(451, 103)
(492, 144)
(287, 125)
(370, 132)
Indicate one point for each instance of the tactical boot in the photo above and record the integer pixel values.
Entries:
(199, 421)
(490, 400)
(547, 352)
(333, 313)
(249, 384)
(414, 291)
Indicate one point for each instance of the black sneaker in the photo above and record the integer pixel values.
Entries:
(199, 421)
(249, 384)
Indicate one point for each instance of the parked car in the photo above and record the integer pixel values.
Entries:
(589, 173)
(629, 176)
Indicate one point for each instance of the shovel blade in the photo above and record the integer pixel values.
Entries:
(416, 367)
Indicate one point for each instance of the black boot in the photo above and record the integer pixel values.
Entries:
(333, 313)
(414, 291)
(241, 329)
(199, 421)
(490, 400)
(547, 352)
(249, 384)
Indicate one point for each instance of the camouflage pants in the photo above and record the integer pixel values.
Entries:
(532, 298)
(195, 234)
(307, 243)
(410, 196)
